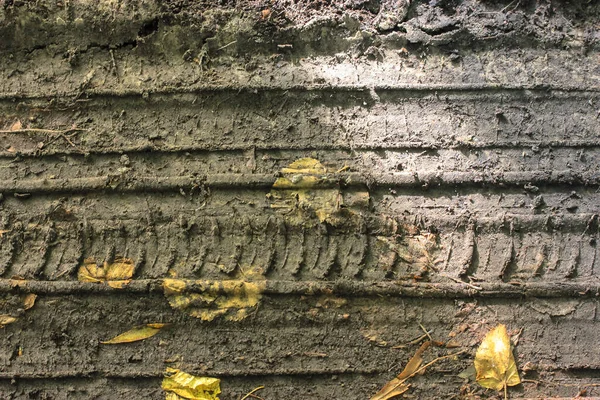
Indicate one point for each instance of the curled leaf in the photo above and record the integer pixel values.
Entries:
(138, 333)
(29, 301)
(116, 274)
(494, 361)
(181, 385)
(6, 319)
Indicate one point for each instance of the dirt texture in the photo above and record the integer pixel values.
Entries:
(354, 168)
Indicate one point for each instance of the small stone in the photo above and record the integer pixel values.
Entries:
(125, 160)
(538, 202)
(386, 22)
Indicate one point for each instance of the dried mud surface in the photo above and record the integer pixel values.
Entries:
(456, 188)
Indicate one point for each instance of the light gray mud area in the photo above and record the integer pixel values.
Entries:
(457, 188)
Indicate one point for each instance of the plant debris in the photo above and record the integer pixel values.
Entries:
(29, 301)
(306, 193)
(398, 385)
(6, 320)
(495, 363)
(251, 393)
(136, 334)
(209, 299)
(116, 274)
(181, 385)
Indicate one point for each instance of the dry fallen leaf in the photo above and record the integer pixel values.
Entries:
(29, 301)
(138, 333)
(495, 363)
(181, 385)
(6, 319)
(398, 385)
(304, 193)
(16, 126)
(116, 274)
(265, 13)
(232, 299)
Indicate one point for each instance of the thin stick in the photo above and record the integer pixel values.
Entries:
(463, 282)
(434, 361)
(426, 332)
(250, 394)
(227, 45)
(50, 131)
(414, 341)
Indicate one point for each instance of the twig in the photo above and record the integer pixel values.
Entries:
(251, 393)
(510, 4)
(227, 45)
(48, 131)
(433, 362)
(463, 282)
(414, 341)
(426, 332)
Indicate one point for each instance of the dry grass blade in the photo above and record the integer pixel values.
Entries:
(397, 385)
(251, 393)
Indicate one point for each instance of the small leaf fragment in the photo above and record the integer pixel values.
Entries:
(118, 284)
(6, 319)
(181, 385)
(136, 334)
(29, 301)
(495, 362)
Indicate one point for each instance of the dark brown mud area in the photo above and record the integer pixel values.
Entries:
(359, 168)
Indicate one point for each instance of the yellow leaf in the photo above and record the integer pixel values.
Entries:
(118, 284)
(116, 274)
(398, 385)
(305, 166)
(29, 301)
(494, 361)
(187, 386)
(138, 333)
(303, 194)
(6, 319)
(121, 269)
(209, 299)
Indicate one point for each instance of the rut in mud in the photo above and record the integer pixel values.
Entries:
(371, 165)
